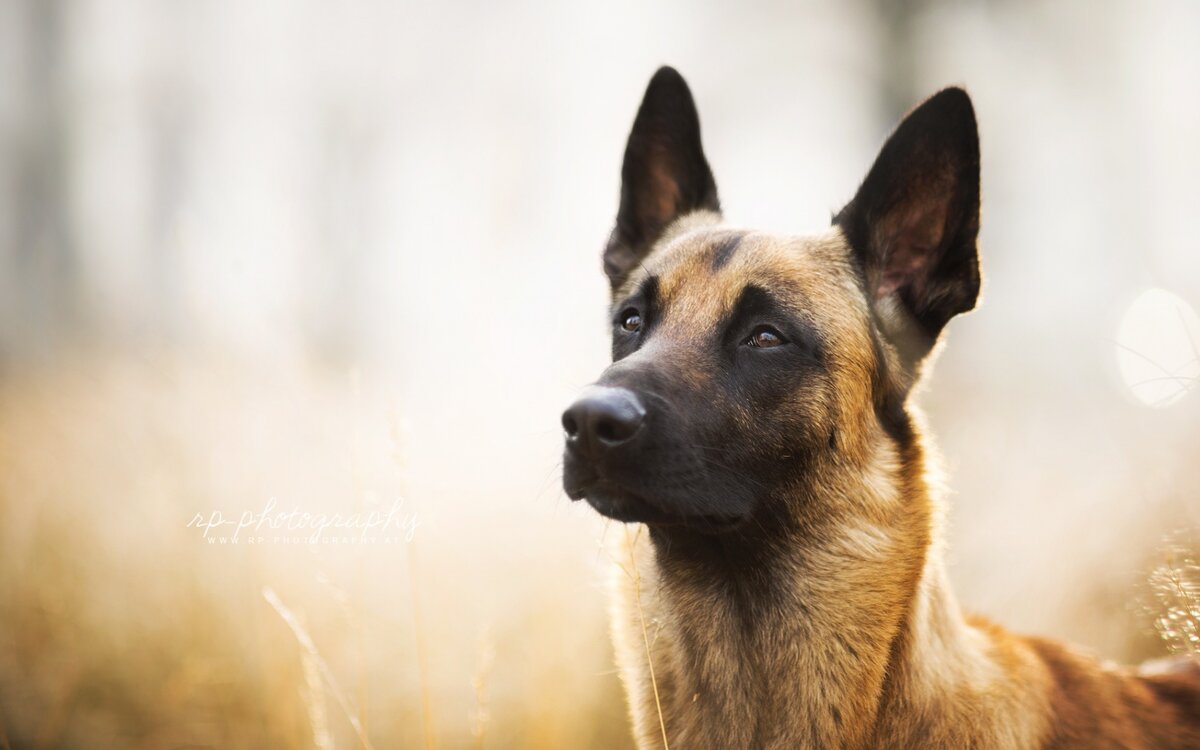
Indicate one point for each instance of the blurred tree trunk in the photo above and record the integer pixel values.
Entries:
(39, 301)
(899, 20)
(901, 53)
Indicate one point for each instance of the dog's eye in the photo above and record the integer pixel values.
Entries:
(765, 337)
(631, 321)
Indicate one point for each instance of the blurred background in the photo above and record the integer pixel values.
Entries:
(345, 257)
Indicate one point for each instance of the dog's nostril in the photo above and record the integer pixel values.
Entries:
(618, 427)
(569, 424)
(607, 429)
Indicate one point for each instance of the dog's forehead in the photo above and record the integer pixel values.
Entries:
(701, 274)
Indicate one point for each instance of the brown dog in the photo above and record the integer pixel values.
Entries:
(788, 588)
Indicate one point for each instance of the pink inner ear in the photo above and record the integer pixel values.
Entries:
(910, 240)
(664, 197)
(904, 266)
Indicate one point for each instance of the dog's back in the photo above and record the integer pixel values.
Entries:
(1098, 706)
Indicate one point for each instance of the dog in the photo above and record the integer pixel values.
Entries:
(785, 587)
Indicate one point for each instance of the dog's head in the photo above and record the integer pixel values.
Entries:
(747, 366)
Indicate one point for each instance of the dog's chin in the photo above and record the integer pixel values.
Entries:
(620, 506)
(627, 507)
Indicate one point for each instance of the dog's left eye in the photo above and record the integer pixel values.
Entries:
(765, 337)
(631, 321)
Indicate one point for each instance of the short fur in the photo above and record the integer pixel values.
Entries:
(789, 577)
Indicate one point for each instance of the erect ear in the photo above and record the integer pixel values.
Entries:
(664, 176)
(914, 223)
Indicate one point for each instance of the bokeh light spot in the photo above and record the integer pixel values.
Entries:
(1158, 348)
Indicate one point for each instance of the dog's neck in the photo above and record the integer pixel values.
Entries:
(810, 636)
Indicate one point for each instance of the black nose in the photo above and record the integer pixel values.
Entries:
(603, 418)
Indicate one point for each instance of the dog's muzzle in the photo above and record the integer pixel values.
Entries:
(602, 429)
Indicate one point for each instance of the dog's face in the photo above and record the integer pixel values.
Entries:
(745, 365)
(729, 351)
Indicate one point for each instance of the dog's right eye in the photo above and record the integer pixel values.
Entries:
(631, 321)
(765, 337)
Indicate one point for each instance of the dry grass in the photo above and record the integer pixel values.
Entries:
(634, 573)
(122, 628)
(1176, 586)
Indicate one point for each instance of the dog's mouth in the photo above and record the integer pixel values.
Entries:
(619, 504)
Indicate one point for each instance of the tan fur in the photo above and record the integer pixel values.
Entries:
(866, 646)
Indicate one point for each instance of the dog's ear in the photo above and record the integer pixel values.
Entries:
(664, 176)
(914, 223)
